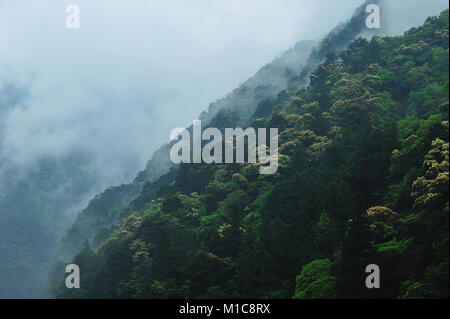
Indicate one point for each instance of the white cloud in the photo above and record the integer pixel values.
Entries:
(137, 68)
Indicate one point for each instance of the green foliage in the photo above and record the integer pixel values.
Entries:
(315, 281)
(362, 179)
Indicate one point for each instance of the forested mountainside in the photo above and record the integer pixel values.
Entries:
(254, 97)
(362, 179)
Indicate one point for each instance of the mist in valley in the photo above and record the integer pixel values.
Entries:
(84, 109)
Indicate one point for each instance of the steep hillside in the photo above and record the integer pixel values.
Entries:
(288, 71)
(362, 179)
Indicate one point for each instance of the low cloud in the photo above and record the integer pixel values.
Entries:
(135, 69)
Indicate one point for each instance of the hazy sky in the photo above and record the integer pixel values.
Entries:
(136, 69)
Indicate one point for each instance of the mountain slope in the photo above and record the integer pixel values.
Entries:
(291, 69)
(363, 178)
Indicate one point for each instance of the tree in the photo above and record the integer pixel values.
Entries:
(315, 281)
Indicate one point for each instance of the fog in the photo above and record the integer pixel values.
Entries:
(115, 88)
(135, 70)
(400, 15)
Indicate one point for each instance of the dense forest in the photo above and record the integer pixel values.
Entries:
(291, 69)
(363, 179)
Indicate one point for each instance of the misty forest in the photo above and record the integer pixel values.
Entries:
(363, 178)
